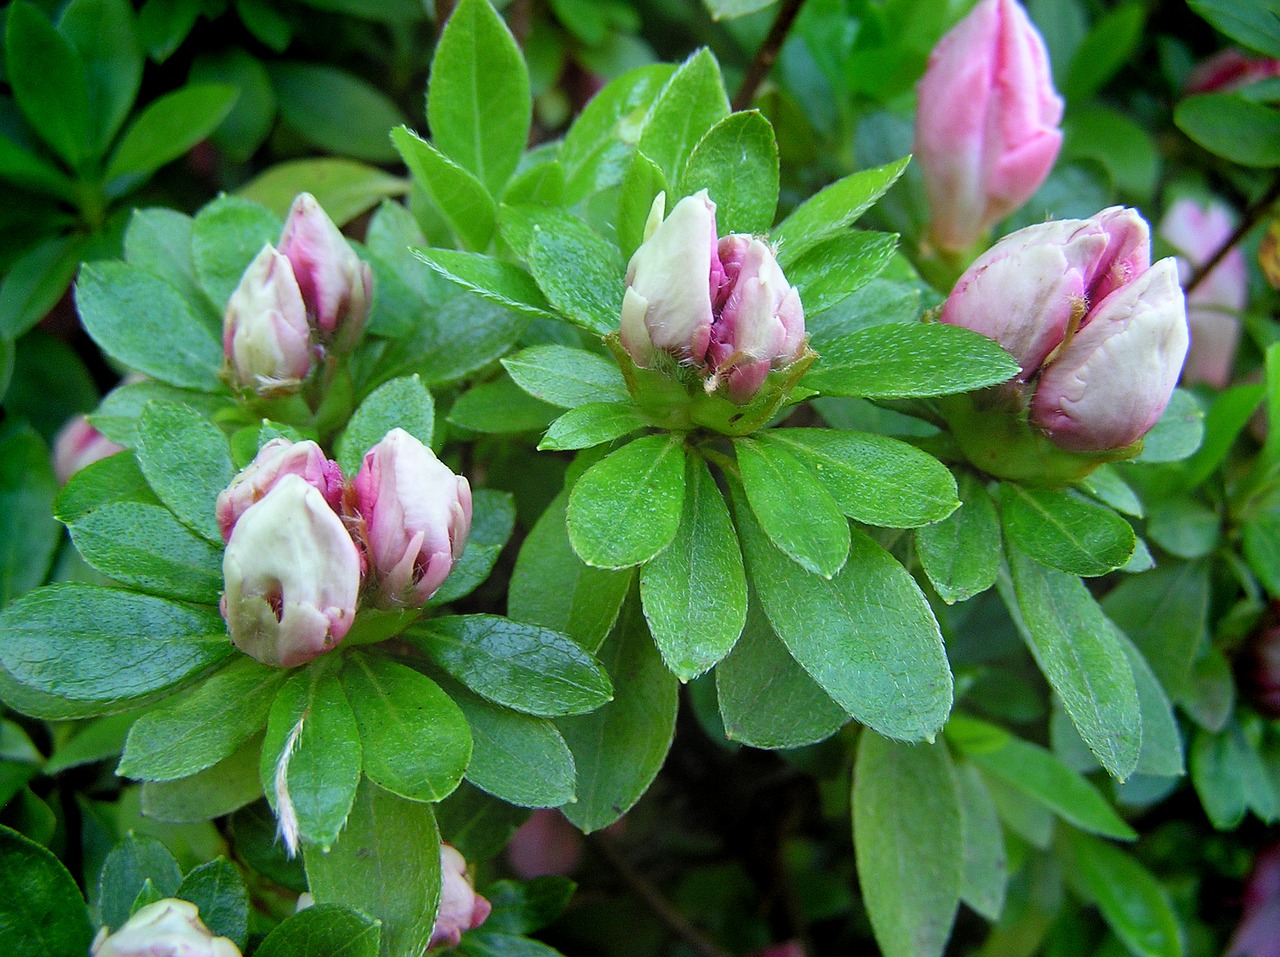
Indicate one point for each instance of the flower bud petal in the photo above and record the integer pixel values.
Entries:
(276, 459)
(417, 516)
(545, 844)
(292, 576)
(461, 908)
(1112, 381)
(336, 286)
(165, 928)
(78, 445)
(265, 334)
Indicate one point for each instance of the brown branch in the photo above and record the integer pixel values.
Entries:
(1252, 216)
(649, 896)
(767, 55)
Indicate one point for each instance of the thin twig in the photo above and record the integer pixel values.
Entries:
(767, 55)
(649, 896)
(1252, 216)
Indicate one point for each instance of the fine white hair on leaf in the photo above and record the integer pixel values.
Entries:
(286, 815)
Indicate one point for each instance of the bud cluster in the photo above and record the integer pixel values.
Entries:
(305, 547)
(295, 304)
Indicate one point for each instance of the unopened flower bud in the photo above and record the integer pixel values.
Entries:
(265, 335)
(1230, 70)
(276, 459)
(78, 445)
(417, 515)
(545, 844)
(292, 576)
(166, 928)
(1258, 933)
(336, 286)
(987, 122)
(461, 908)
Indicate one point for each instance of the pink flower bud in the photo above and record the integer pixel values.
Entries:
(461, 908)
(78, 445)
(336, 286)
(292, 576)
(788, 948)
(265, 335)
(545, 844)
(167, 928)
(1214, 306)
(417, 515)
(1109, 384)
(1230, 70)
(759, 322)
(670, 283)
(1258, 933)
(987, 122)
(276, 459)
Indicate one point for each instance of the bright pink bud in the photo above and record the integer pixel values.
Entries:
(276, 459)
(1230, 70)
(417, 515)
(987, 122)
(78, 445)
(1109, 384)
(670, 283)
(759, 322)
(1214, 306)
(545, 844)
(461, 908)
(292, 576)
(265, 334)
(166, 928)
(336, 286)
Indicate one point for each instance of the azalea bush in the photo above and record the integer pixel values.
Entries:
(755, 478)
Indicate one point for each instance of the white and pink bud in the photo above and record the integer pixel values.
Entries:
(166, 928)
(266, 338)
(336, 286)
(417, 515)
(292, 576)
(461, 908)
(78, 445)
(1197, 232)
(987, 131)
(276, 459)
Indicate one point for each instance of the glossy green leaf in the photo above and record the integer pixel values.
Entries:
(37, 891)
(626, 508)
(401, 403)
(1131, 900)
(104, 35)
(501, 407)
(640, 186)
(493, 516)
(463, 335)
(49, 83)
(219, 891)
(221, 789)
(169, 127)
(344, 188)
(1178, 433)
(566, 377)
(465, 203)
(187, 463)
(132, 863)
(690, 104)
(986, 866)
(833, 208)
(323, 930)
(1112, 41)
(28, 534)
(1249, 22)
(836, 266)
(961, 553)
(503, 283)
(1065, 531)
(737, 163)
(97, 740)
(1230, 126)
(582, 276)
(593, 424)
(335, 110)
(1165, 612)
(225, 237)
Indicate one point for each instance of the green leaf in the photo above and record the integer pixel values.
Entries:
(690, 104)
(169, 127)
(1178, 433)
(1132, 901)
(897, 361)
(478, 104)
(478, 825)
(619, 748)
(386, 865)
(1226, 419)
(1262, 550)
(33, 172)
(463, 335)
(552, 587)
(520, 666)
(731, 9)
(158, 241)
(164, 24)
(796, 512)
(1230, 126)
(1161, 736)
(592, 424)
(834, 208)
(36, 281)
(986, 866)
(1231, 777)
(493, 516)
(737, 163)
(221, 789)
(501, 407)
(187, 463)
(961, 554)
(873, 479)
(525, 907)
(626, 508)
(498, 281)
(835, 267)
(311, 757)
(36, 891)
(867, 636)
(148, 325)
(695, 590)
(581, 274)
(202, 728)
(462, 199)
(1082, 659)
(226, 235)
(414, 739)
(565, 376)
(103, 34)
(323, 930)
(1065, 531)
(401, 403)
(909, 842)
(1249, 22)
(335, 110)
(219, 891)
(97, 740)
(766, 699)
(1110, 43)
(28, 534)
(1165, 612)
(344, 188)
(640, 186)
(131, 864)
(107, 648)
(49, 83)
(119, 413)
